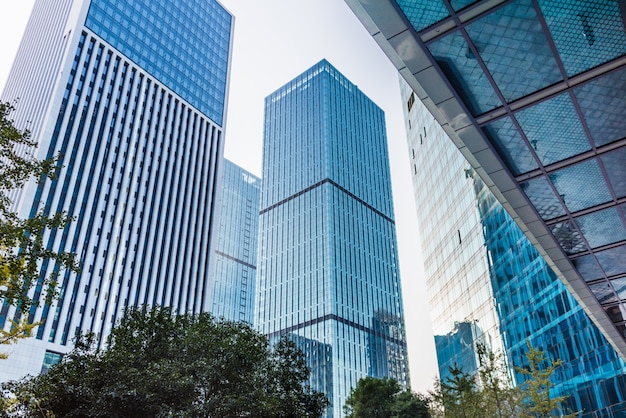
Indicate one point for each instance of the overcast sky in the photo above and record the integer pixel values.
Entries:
(275, 40)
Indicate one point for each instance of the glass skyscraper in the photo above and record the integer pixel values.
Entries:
(533, 93)
(328, 266)
(131, 94)
(233, 281)
(488, 284)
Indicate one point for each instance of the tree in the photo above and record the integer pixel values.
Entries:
(21, 240)
(157, 364)
(499, 396)
(383, 398)
(536, 388)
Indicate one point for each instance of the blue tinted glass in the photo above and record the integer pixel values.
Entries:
(615, 165)
(603, 104)
(613, 260)
(459, 4)
(511, 146)
(185, 46)
(543, 198)
(515, 50)
(603, 292)
(553, 129)
(581, 186)
(423, 13)
(463, 71)
(620, 287)
(588, 267)
(586, 33)
(602, 227)
(568, 236)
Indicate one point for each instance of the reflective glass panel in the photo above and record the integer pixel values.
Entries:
(581, 186)
(602, 227)
(615, 166)
(459, 4)
(586, 33)
(568, 236)
(543, 198)
(588, 267)
(620, 287)
(511, 146)
(603, 103)
(423, 13)
(515, 50)
(553, 129)
(613, 260)
(462, 69)
(603, 292)
(615, 313)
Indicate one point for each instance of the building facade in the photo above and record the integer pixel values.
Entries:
(233, 281)
(328, 266)
(132, 96)
(488, 284)
(533, 93)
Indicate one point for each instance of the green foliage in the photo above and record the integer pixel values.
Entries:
(384, 398)
(536, 388)
(21, 240)
(157, 364)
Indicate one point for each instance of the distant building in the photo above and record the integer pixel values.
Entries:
(488, 284)
(328, 265)
(132, 95)
(233, 283)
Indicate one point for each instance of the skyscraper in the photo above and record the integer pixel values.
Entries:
(533, 93)
(328, 269)
(132, 95)
(488, 284)
(233, 281)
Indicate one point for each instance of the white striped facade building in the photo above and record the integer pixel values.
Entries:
(132, 95)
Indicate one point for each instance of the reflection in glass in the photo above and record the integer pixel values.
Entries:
(515, 50)
(507, 139)
(602, 227)
(554, 129)
(586, 33)
(543, 198)
(459, 64)
(581, 186)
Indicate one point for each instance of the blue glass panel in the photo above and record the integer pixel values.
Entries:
(602, 227)
(603, 292)
(543, 198)
(586, 33)
(588, 267)
(511, 146)
(615, 313)
(462, 69)
(184, 44)
(615, 165)
(581, 186)
(423, 13)
(459, 4)
(620, 287)
(613, 260)
(568, 236)
(554, 129)
(603, 103)
(515, 50)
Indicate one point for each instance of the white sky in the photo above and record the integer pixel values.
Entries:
(275, 40)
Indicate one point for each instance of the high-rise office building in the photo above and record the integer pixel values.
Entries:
(328, 266)
(533, 93)
(233, 280)
(132, 95)
(488, 284)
